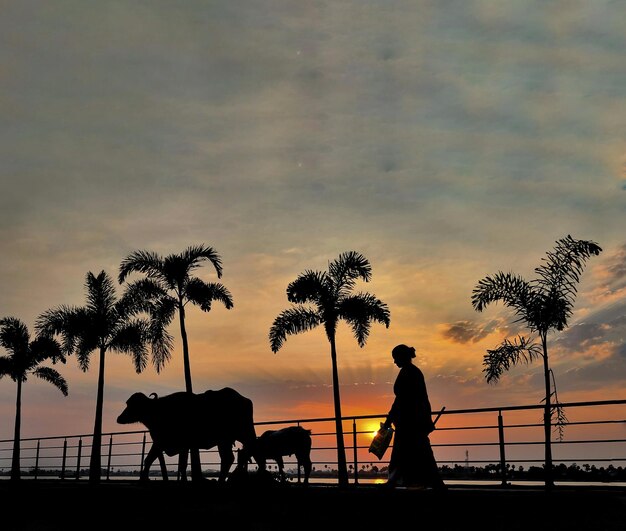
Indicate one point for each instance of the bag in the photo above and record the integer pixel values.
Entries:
(381, 441)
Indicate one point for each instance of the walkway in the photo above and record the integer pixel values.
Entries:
(51, 505)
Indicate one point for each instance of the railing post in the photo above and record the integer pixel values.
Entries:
(80, 448)
(502, 453)
(143, 452)
(37, 459)
(356, 458)
(64, 458)
(109, 460)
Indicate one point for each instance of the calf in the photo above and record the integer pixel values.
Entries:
(274, 444)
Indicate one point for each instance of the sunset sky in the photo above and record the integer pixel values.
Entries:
(443, 140)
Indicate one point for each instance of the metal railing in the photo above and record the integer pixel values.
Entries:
(501, 440)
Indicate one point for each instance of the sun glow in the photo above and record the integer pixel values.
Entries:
(372, 427)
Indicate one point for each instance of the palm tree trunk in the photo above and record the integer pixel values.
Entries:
(15, 464)
(96, 445)
(196, 466)
(183, 335)
(342, 469)
(547, 416)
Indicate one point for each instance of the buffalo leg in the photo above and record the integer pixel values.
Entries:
(227, 459)
(196, 466)
(182, 465)
(153, 454)
(163, 466)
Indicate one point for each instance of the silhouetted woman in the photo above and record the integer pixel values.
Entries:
(412, 461)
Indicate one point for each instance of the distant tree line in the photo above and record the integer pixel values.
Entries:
(561, 472)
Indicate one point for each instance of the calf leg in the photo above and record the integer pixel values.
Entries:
(261, 463)
(304, 460)
(281, 468)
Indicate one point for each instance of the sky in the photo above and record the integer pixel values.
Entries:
(445, 140)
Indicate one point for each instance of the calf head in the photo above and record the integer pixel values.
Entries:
(136, 408)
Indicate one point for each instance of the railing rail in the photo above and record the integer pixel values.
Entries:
(503, 438)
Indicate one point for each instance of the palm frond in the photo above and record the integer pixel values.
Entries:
(557, 411)
(146, 262)
(52, 376)
(548, 311)
(507, 354)
(347, 268)
(85, 345)
(161, 344)
(140, 296)
(45, 347)
(512, 290)
(7, 367)
(194, 255)
(164, 310)
(100, 293)
(559, 274)
(55, 320)
(310, 286)
(202, 294)
(131, 339)
(360, 310)
(294, 320)
(14, 335)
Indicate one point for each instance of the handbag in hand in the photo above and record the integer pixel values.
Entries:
(381, 441)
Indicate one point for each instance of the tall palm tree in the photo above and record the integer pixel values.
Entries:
(544, 304)
(24, 360)
(104, 324)
(168, 287)
(330, 298)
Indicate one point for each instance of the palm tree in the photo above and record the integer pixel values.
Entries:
(330, 299)
(25, 359)
(104, 324)
(544, 304)
(167, 288)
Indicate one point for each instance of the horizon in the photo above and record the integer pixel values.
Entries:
(443, 141)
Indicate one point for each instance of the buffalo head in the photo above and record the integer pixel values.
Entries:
(136, 408)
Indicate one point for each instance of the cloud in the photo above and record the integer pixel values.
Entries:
(474, 331)
(616, 269)
(446, 140)
(466, 331)
(605, 374)
(580, 336)
(604, 325)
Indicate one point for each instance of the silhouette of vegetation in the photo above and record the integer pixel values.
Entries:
(544, 304)
(168, 287)
(104, 324)
(573, 472)
(24, 360)
(323, 298)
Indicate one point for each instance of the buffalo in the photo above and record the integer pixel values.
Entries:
(183, 421)
(274, 444)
